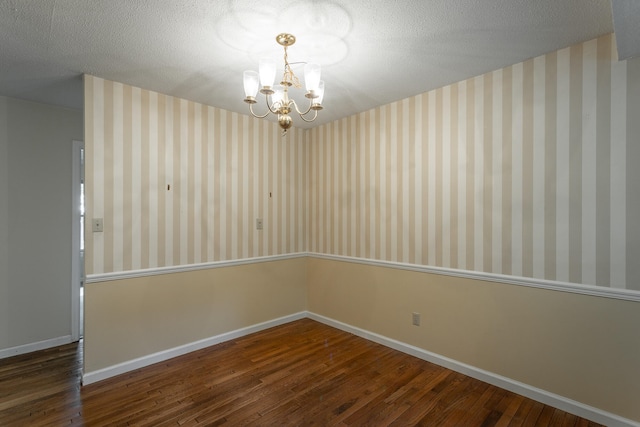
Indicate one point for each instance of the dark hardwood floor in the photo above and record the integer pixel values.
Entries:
(302, 373)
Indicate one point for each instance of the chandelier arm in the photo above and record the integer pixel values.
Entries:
(315, 114)
(257, 115)
(300, 112)
(271, 107)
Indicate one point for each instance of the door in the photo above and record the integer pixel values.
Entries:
(77, 236)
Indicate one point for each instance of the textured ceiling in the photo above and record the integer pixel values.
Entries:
(372, 51)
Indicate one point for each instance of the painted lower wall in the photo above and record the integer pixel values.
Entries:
(134, 318)
(35, 223)
(580, 347)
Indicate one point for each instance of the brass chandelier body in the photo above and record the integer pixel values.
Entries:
(277, 98)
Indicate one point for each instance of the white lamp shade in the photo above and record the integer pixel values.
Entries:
(311, 76)
(250, 83)
(319, 92)
(267, 70)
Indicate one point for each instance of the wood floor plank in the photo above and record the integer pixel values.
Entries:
(301, 373)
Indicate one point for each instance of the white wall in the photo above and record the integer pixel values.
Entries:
(35, 222)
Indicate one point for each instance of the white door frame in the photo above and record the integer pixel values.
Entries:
(77, 172)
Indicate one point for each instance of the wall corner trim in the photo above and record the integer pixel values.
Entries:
(119, 275)
(557, 401)
(598, 291)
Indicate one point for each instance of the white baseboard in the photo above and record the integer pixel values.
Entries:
(40, 345)
(130, 365)
(551, 399)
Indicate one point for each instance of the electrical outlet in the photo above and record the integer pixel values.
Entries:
(97, 225)
(416, 319)
(258, 223)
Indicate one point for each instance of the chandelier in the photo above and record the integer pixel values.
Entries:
(277, 98)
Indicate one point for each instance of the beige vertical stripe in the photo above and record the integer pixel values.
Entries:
(431, 179)
(162, 183)
(250, 194)
(397, 159)
(408, 179)
(361, 178)
(507, 170)
(337, 142)
(517, 204)
(538, 168)
(189, 124)
(462, 174)
(121, 227)
(376, 218)
(424, 177)
(146, 200)
(136, 179)
(331, 170)
(217, 185)
(562, 158)
(497, 169)
(487, 187)
(589, 161)
(204, 182)
(438, 183)
(575, 165)
(446, 176)
(230, 155)
(127, 180)
(479, 142)
(454, 174)
(107, 167)
(312, 189)
(603, 157)
(471, 173)
(415, 181)
(289, 172)
(354, 186)
(211, 189)
(179, 177)
(239, 190)
(550, 167)
(324, 180)
(391, 193)
(527, 169)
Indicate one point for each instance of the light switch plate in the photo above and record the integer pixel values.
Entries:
(97, 225)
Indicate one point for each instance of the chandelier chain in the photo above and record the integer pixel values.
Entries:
(289, 78)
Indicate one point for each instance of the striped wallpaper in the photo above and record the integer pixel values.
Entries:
(181, 183)
(521, 171)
